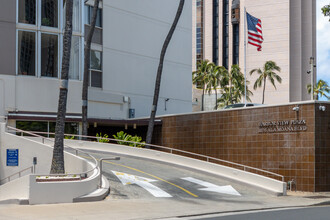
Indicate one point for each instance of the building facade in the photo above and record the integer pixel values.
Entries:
(125, 53)
(289, 32)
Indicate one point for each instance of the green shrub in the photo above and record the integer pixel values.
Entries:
(127, 137)
(102, 139)
(70, 137)
(137, 139)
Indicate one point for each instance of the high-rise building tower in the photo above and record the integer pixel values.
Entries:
(289, 31)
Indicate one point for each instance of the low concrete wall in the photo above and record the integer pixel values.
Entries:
(17, 189)
(264, 183)
(61, 192)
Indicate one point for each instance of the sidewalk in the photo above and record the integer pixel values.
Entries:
(156, 208)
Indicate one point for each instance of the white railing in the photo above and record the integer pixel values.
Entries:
(77, 153)
(19, 173)
(178, 152)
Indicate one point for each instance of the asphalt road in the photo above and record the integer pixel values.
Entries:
(146, 189)
(179, 183)
(310, 213)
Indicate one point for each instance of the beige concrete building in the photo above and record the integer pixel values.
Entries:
(289, 32)
(124, 58)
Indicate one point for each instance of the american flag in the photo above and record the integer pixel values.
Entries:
(254, 31)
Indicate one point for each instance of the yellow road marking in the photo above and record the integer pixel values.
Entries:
(156, 177)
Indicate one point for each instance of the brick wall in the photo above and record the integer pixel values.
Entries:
(273, 138)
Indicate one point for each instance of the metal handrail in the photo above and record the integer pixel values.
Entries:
(76, 150)
(19, 174)
(173, 150)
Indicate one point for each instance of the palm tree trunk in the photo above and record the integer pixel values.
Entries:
(263, 92)
(230, 93)
(87, 52)
(203, 96)
(58, 154)
(216, 99)
(159, 72)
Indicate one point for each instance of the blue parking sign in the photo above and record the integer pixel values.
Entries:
(12, 157)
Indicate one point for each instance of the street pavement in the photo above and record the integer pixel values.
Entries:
(147, 189)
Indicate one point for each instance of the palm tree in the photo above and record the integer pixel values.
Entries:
(202, 76)
(233, 87)
(326, 10)
(159, 72)
(320, 89)
(87, 52)
(216, 77)
(268, 72)
(58, 154)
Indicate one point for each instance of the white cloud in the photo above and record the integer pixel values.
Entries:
(323, 43)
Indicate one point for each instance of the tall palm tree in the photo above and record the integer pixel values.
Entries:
(236, 82)
(320, 89)
(202, 77)
(216, 78)
(58, 154)
(160, 70)
(269, 73)
(233, 87)
(87, 52)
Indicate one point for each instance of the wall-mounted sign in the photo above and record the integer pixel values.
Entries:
(12, 157)
(282, 126)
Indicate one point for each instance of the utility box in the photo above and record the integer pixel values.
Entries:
(131, 113)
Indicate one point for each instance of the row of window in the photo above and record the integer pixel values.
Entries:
(39, 40)
(199, 30)
(215, 32)
(225, 33)
(47, 126)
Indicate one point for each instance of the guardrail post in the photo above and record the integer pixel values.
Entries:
(101, 160)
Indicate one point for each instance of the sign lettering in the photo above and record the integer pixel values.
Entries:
(282, 126)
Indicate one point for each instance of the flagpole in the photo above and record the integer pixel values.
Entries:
(245, 55)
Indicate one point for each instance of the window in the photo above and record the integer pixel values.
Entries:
(27, 11)
(49, 55)
(96, 69)
(76, 21)
(89, 15)
(235, 43)
(49, 13)
(26, 53)
(47, 126)
(215, 31)
(225, 42)
(38, 45)
(199, 30)
(74, 58)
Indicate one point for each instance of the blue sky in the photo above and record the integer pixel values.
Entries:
(323, 43)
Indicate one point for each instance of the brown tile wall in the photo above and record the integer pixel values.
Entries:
(322, 148)
(234, 135)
